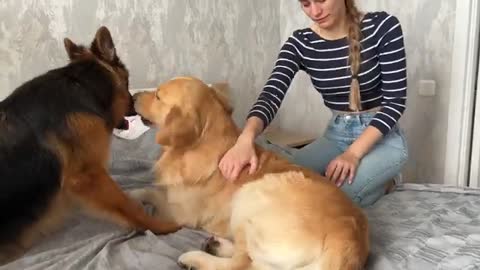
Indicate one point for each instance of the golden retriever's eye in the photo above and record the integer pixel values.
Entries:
(156, 97)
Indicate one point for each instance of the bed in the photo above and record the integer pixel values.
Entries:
(415, 227)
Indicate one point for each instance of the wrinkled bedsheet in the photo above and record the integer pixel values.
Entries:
(416, 227)
(426, 227)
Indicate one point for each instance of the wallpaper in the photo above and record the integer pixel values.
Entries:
(234, 41)
(215, 40)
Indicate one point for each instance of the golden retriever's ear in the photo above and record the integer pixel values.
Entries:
(222, 94)
(179, 129)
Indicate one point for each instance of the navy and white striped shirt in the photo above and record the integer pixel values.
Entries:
(382, 76)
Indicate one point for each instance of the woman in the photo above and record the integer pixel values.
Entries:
(357, 62)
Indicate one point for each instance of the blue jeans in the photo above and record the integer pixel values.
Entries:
(384, 161)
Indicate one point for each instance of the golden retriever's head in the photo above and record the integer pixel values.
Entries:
(181, 108)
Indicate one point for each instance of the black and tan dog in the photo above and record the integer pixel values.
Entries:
(55, 133)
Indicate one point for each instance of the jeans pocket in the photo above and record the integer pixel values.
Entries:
(396, 138)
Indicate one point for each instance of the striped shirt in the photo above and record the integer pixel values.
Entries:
(382, 76)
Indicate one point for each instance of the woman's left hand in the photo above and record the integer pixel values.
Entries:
(342, 168)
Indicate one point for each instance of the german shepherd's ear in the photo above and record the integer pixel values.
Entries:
(74, 51)
(179, 129)
(222, 92)
(102, 46)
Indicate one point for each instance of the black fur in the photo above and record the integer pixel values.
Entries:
(29, 170)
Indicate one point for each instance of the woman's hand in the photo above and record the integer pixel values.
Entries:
(240, 155)
(345, 166)
(342, 168)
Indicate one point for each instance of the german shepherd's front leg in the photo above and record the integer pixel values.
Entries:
(97, 192)
(157, 197)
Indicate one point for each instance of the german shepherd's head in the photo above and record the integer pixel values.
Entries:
(102, 50)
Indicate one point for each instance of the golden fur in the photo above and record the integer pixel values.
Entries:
(281, 217)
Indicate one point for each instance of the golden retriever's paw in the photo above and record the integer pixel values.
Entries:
(218, 247)
(195, 260)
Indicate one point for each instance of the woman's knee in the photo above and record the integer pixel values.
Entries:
(283, 151)
(371, 181)
(369, 197)
(317, 155)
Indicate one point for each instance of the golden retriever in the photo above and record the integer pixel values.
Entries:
(281, 217)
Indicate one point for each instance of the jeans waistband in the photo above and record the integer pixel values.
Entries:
(366, 115)
(371, 111)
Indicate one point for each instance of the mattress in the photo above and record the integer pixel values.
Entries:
(415, 227)
(426, 227)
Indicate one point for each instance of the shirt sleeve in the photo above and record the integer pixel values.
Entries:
(288, 63)
(393, 64)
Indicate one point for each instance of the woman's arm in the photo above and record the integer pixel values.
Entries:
(253, 128)
(263, 110)
(365, 142)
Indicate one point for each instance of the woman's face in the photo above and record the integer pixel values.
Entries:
(325, 13)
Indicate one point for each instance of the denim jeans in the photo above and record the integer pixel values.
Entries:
(384, 161)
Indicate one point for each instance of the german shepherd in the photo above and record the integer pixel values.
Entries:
(55, 133)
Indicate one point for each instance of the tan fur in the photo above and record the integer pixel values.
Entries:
(281, 217)
(86, 179)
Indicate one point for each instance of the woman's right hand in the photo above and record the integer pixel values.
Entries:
(240, 155)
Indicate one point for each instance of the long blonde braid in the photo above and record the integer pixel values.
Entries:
(354, 37)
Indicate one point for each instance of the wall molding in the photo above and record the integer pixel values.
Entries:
(462, 94)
